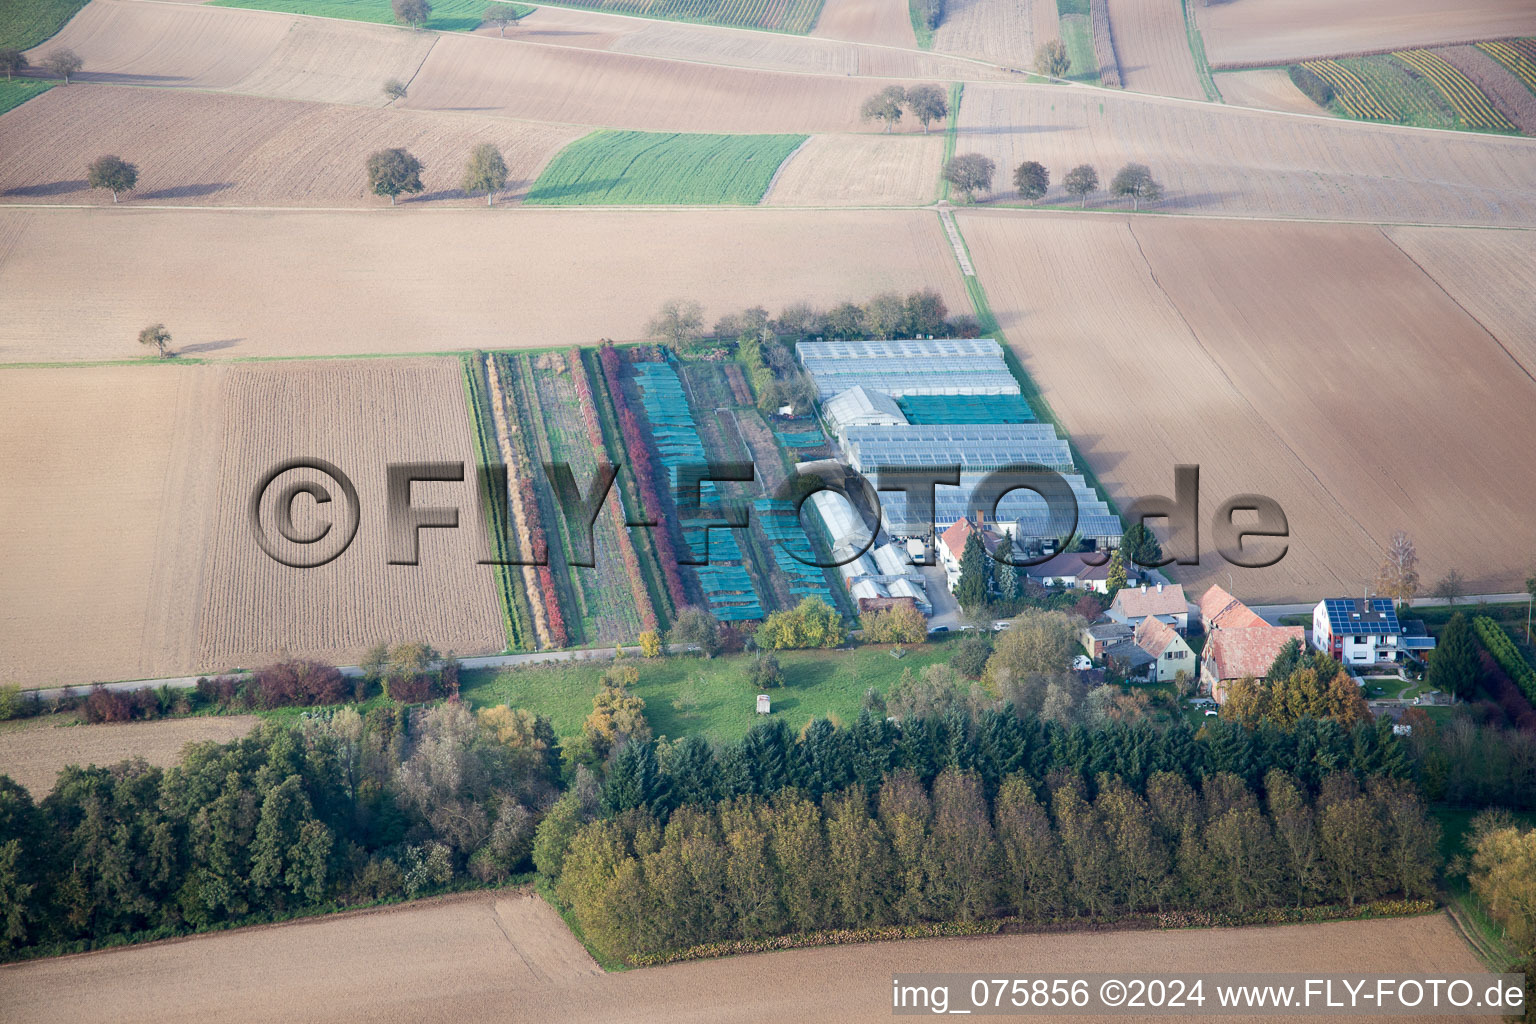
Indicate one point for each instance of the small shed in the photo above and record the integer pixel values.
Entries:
(762, 704)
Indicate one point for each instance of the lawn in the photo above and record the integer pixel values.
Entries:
(793, 16)
(1077, 36)
(15, 93)
(25, 23)
(687, 695)
(610, 167)
(447, 15)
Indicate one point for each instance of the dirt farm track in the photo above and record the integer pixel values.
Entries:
(506, 957)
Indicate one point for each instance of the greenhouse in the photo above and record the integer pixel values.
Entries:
(974, 447)
(947, 366)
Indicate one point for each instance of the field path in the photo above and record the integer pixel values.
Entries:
(457, 960)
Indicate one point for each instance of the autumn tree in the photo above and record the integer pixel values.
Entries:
(1032, 180)
(411, 12)
(486, 172)
(763, 671)
(1052, 59)
(650, 643)
(1503, 874)
(12, 62)
(394, 90)
(885, 106)
(970, 173)
(928, 104)
(1450, 587)
(697, 628)
(501, 15)
(63, 62)
(1398, 577)
(112, 173)
(617, 715)
(1136, 181)
(679, 323)
(393, 172)
(158, 336)
(811, 624)
(1081, 181)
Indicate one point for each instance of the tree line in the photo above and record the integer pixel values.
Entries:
(752, 866)
(971, 173)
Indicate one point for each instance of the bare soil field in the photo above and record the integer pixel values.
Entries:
(1266, 89)
(887, 22)
(858, 170)
(1239, 32)
(360, 415)
(1260, 340)
(1153, 48)
(107, 474)
(130, 42)
(496, 957)
(1492, 274)
(1002, 31)
(1214, 159)
(34, 752)
(1507, 93)
(238, 283)
(546, 83)
(219, 149)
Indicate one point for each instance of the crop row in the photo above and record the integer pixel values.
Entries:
(1353, 94)
(1465, 98)
(1497, 643)
(795, 16)
(1518, 55)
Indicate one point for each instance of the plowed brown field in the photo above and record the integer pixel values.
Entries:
(1314, 364)
(103, 517)
(1220, 160)
(1153, 48)
(361, 416)
(886, 22)
(1002, 31)
(860, 170)
(219, 149)
(1283, 31)
(325, 283)
(1267, 89)
(34, 752)
(505, 957)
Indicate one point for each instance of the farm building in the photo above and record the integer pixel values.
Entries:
(872, 573)
(951, 546)
(1130, 658)
(1240, 653)
(1220, 610)
(943, 366)
(1100, 636)
(1357, 631)
(1164, 602)
(861, 407)
(1071, 569)
(1169, 652)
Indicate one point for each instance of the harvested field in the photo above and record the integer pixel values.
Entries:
(128, 42)
(788, 16)
(103, 516)
(235, 283)
(858, 170)
(1245, 162)
(637, 168)
(1507, 94)
(1104, 45)
(447, 960)
(217, 149)
(887, 22)
(1240, 32)
(1492, 274)
(361, 416)
(1272, 331)
(547, 83)
(34, 752)
(1002, 31)
(1154, 48)
(1266, 89)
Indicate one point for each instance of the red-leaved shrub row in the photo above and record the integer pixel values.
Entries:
(645, 477)
(615, 515)
(1506, 694)
(552, 614)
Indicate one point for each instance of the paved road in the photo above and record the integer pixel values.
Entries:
(490, 661)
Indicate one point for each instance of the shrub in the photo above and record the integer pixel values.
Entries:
(901, 624)
(810, 624)
(971, 655)
(1313, 85)
(1504, 651)
(12, 703)
(650, 643)
(763, 671)
(300, 682)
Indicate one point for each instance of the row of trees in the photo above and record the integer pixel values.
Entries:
(763, 341)
(395, 172)
(416, 12)
(750, 867)
(344, 809)
(62, 62)
(971, 173)
(926, 102)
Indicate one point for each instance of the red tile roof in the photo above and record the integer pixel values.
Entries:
(1137, 602)
(1153, 636)
(955, 537)
(1248, 650)
(1220, 610)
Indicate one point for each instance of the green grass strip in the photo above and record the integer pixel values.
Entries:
(951, 134)
(1077, 37)
(1197, 50)
(920, 27)
(662, 168)
(14, 93)
(25, 23)
(447, 15)
(507, 587)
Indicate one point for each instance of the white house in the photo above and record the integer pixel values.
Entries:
(1360, 631)
(1170, 654)
(1164, 602)
(951, 547)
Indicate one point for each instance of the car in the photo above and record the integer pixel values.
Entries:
(1211, 711)
(1082, 663)
(1000, 625)
(938, 629)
